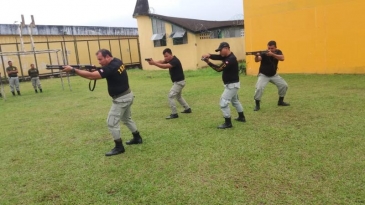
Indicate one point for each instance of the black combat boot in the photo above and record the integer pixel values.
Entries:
(241, 117)
(226, 124)
(281, 102)
(118, 149)
(187, 111)
(1, 95)
(13, 93)
(257, 107)
(41, 90)
(137, 139)
(18, 92)
(172, 116)
(36, 91)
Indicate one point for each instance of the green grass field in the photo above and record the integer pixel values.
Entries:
(53, 143)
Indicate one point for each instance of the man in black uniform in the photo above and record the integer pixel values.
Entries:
(172, 63)
(267, 73)
(231, 82)
(118, 87)
(33, 73)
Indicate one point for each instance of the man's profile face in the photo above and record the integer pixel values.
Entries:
(103, 61)
(223, 52)
(167, 56)
(271, 48)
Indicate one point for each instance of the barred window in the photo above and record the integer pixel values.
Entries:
(159, 32)
(232, 32)
(223, 33)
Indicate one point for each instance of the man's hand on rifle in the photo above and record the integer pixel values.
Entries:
(269, 53)
(67, 68)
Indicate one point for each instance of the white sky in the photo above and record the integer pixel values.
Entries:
(116, 13)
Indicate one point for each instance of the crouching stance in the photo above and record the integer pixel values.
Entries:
(122, 97)
(267, 73)
(230, 77)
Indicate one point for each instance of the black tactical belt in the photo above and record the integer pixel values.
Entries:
(122, 94)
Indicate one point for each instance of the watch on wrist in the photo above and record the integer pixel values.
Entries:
(73, 70)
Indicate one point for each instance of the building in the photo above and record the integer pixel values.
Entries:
(187, 38)
(77, 45)
(316, 36)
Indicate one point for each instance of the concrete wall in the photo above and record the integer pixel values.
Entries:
(316, 36)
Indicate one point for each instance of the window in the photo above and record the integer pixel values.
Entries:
(159, 33)
(159, 39)
(216, 34)
(223, 33)
(232, 32)
(179, 35)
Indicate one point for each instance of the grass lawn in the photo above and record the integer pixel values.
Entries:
(52, 144)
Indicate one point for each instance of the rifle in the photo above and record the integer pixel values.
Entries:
(89, 68)
(256, 52)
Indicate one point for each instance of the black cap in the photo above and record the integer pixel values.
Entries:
(222, 45)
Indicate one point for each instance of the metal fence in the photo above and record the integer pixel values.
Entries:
(73, 50)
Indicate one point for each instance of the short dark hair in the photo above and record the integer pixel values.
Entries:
(104, 52)
(271, 43)
(9, 61)
(167, 50)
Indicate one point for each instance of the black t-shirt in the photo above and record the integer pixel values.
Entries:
(229, 67)
(269, 64)
(230, 73)
(116, 77)
(176, 72)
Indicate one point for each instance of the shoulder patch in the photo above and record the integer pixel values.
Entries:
(101, 71)
(227, 62)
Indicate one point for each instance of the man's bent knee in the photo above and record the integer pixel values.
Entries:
(172, 94)
(224, 103)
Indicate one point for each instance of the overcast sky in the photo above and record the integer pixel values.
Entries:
(116, 13)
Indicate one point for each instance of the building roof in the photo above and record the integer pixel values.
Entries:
(196, 25)
(192, 25)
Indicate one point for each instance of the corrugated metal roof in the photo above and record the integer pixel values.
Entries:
(12, 29)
